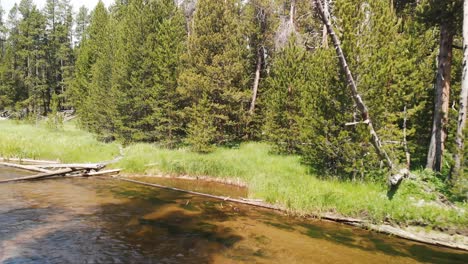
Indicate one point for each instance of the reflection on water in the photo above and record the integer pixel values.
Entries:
(100, 220)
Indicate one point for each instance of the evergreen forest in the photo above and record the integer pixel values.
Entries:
(204, 74)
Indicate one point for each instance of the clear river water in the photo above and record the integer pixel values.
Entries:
(103, 220)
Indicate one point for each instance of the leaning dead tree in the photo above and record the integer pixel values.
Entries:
(261, 16)
(395, 178)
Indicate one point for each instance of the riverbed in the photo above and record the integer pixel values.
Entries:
(104, 220)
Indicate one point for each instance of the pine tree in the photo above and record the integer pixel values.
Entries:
(82, 22)
(459, 157)
(327, 145)
(11, 85)
(146, 71)
(4, 98)
(59, 47)
(216, 68)
(261, 25)
(377, 55)
(28, 36)
(3, 34)
(288, 77)
(93, 94)
(446, 14)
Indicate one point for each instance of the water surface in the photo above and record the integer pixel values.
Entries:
(100, 220)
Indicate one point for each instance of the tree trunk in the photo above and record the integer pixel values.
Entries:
(292, 12)
(324, 32)
(258, 71)
(356, 96)
(441, 106)
(459, 154)
(39, 176)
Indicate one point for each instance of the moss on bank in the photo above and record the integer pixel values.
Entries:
(275, 178)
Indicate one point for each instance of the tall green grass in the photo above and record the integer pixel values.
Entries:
(284, 180)
(275, 178)
(39, 142)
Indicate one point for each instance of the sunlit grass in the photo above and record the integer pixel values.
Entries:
(39, 142)
(277, 179)
(285, 181)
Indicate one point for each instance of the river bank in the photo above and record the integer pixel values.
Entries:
(182, 183)
(278, 180)
(104, 220)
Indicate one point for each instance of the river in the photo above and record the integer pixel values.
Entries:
(103, 220)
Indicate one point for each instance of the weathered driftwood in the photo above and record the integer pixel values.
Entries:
(33, 161)
(24, 167)
(396, 178)
(341, 219)
(40, 176)
(87, 166)
(69, 118)
(97, 173)
(395, 231)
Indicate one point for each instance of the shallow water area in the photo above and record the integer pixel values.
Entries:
(104, 220)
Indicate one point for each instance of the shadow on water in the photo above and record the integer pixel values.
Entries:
(390, 246)
(16, 221)
(150, 227)
(125, 223)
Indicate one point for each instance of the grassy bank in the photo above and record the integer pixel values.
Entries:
(274, 178)
(39, 142)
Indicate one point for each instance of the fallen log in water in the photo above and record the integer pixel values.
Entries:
(97, 173)
(33, 161)
(229, 199)
(24, 167)
(40, 176)
(396, 231)
(87, 166)
(386, 229)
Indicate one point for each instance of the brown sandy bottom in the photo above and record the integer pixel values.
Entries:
(108, 221)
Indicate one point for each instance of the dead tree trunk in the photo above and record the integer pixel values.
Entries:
(324, 32)
(23, 167)
(441, 106)
(405, 142)
(258, 71)
(356, 96)
(262, 20)
(39, 176)
(292, 12)
(462, 111)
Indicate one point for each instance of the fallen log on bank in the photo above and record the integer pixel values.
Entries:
(96, 173)
(24, 167)
(87, 166)
(33, 161)
(395, 231)
(384, 228)
(223, 198)
(40, 176)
